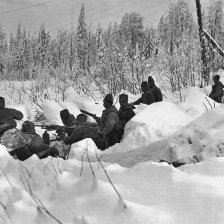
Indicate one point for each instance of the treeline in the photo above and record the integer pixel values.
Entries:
(121, 55)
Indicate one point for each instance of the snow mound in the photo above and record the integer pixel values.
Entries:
(154, 123)
(201, 139)
(50, 189)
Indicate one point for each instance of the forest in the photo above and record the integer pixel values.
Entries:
(117, 57)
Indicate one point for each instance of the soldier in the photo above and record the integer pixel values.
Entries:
(22, 144)
(108, 134)
(125, 112)
(217, 89)
(147, 96)
(104, 134)
(75, 131)
(155, 90)
(8, 117)
(67, 118)
(35, 144)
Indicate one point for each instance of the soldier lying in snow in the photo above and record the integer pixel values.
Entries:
(22, 144)
(8, 117)
(80, 127)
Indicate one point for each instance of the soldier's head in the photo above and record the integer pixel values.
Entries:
(123, 100)
(216, 79)
(64, 114)
(151, 81)
(108, 101)
(81, 118)
(2, 102)
(28, 126)
(144, 86)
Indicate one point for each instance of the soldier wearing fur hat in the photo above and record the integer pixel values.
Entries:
(217, 89)
(147, 96)
(107, 134)
(8, 117)
(155, 90)
(125, 112)
(36, 144)
(104, 133)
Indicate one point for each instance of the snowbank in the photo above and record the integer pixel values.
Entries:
(201, 139)
(154, 123)
(151, 192)
(73, 191)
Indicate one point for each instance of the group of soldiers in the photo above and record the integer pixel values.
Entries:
(105, 132)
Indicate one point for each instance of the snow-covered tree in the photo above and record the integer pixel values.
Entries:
(81, 39)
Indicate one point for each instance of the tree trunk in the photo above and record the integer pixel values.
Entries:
(205, 71)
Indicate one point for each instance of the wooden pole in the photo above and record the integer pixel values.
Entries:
(205, 75)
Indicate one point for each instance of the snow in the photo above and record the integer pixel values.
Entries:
(53, 190)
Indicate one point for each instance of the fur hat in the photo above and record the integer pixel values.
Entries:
(216, 77)
(109, 98)
(151, 80)
(28, 126)
(123, 97)
(64, 114)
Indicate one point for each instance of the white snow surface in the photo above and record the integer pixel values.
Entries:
(75, 191)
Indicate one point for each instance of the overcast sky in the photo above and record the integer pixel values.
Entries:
(58, 13)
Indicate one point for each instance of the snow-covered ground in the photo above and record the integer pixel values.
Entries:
(148, 191)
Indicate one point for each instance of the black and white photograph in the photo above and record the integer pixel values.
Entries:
(111, 112)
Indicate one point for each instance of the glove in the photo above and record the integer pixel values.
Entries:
(46, 137)
(62, 136)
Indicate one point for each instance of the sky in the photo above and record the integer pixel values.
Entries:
(57, 14)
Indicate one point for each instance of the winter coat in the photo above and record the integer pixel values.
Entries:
(146, 98)
(125, 114)
(217, 92)
(84, 130)
(109, 128)
(108, 120)
(36, 145)
(35, 142)
(8, 117)
(156, 93)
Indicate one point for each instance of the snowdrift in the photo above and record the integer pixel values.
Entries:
(78, 191)
(53, 191)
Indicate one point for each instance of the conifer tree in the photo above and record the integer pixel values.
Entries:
(43, 40)
(100, 46)
(81, 39)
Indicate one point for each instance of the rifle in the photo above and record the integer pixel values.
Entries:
(53, 127)
(97, 119)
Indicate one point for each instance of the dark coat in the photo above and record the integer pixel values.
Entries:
(36, 145)
(8, 117)
(108, 120)
(109, 128)
(217, 92)
(125, 114)
(156, 93)
(146, 98)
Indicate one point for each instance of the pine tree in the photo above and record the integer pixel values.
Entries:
(100, 46)
(2, 49)
(19, 48)
(43, 40)
(82, 40)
